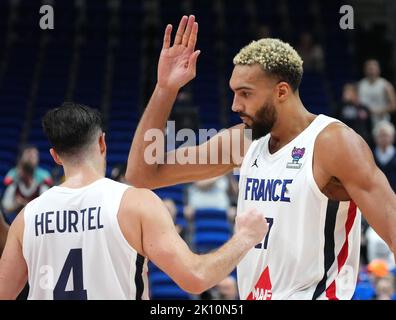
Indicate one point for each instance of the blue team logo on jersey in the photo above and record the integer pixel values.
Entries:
(297, 154)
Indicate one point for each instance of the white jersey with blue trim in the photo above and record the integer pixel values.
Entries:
(74, 247)
(312, 248)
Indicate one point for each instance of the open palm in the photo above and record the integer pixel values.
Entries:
(177, 64)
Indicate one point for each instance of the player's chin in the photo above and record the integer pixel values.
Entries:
(247, 124)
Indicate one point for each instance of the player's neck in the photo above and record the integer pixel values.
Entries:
(291, 121)
(78, 176)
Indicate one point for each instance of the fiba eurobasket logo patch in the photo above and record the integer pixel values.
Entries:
(297, 154)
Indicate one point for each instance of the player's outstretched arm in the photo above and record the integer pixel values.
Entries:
(351, 161)
(176, 67)
(13, 269)
(192, 272)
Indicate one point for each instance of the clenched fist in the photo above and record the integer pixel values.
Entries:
(252, 226)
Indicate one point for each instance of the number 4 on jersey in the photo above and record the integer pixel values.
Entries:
(270, 223)
(73, 264)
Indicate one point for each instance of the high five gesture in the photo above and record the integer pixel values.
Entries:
(176, 67)
(177, 63)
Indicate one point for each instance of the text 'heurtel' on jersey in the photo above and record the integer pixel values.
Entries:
(60, 221)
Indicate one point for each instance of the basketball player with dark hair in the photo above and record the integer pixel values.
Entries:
(309, 173)
(102, 231)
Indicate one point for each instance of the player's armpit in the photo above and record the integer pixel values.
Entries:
(13, 268)
(345, 155)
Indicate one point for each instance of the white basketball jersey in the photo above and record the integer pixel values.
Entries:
(312, 248)
(74, 247)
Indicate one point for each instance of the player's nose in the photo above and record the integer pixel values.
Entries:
(236, 106)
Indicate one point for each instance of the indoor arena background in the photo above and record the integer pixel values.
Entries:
(104, 54)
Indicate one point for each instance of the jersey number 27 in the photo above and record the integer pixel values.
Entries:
(260, 245)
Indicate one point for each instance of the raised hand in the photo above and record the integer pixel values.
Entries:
(177, 64)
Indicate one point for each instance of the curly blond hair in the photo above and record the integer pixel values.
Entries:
(277, 58)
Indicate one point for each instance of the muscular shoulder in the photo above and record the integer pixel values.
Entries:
(137, 207)
(341, 151)
(338, 138)
(139, 202)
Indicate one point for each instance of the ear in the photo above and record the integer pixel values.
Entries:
(55, 156)
(283, 91)
(102, 143)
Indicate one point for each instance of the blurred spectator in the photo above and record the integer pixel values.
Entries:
(385, 288)
(118, 173)
(376, 93)
(212, 193)
(384, 152)
(24, 182)
(354, 114)
(378, 249)
(29, 157)
(383, 279)
(310, 52)
(3, 232)
(170, 205)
